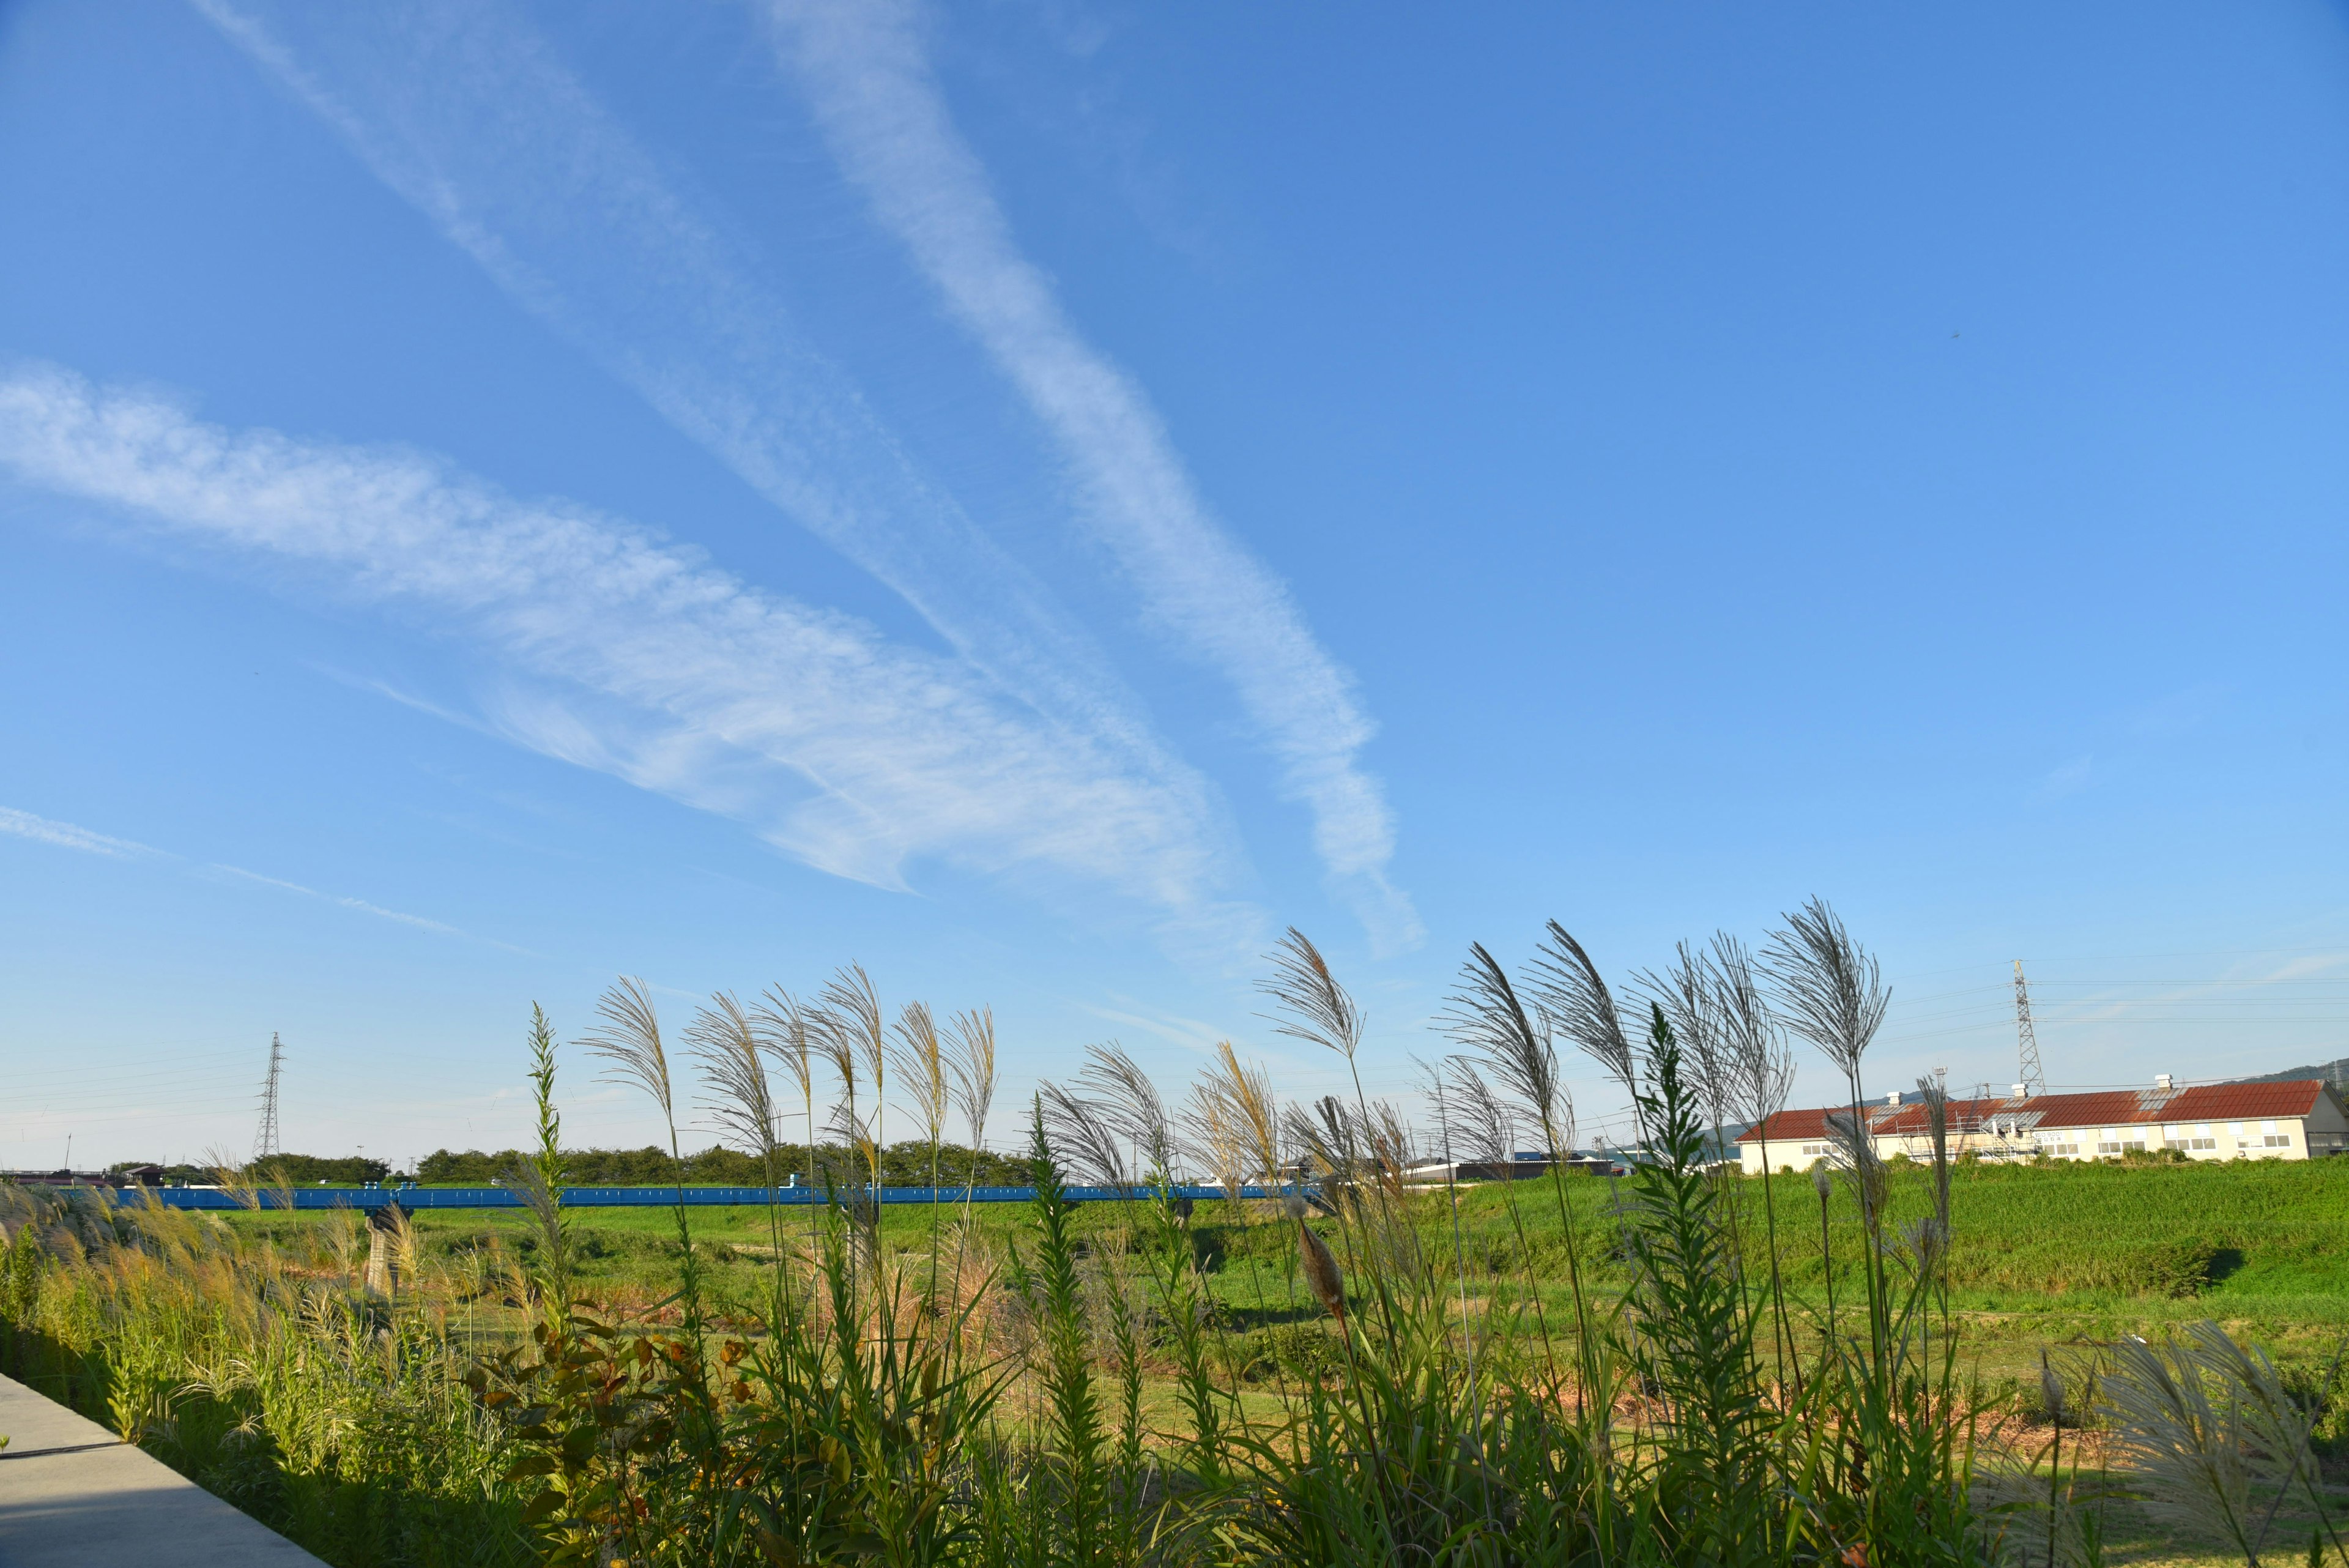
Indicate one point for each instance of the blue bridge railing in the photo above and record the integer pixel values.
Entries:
(421, 1198)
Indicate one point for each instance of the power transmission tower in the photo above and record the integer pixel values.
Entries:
(264, 1143)
(2034, 1078)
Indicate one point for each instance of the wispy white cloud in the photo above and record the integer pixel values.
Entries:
(361, 905)
(466, 113)
(631, 655)
(2070, 779)
(2307, 966)
(66, 835)
(1190, 1034)
(2180, 713)
(463, 110)
(864, 67)
(2251, 985)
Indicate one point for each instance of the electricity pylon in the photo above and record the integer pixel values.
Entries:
(264, 1143)
(2034, 1078)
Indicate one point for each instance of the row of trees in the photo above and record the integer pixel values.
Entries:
(904, 1164)
(301, 1169)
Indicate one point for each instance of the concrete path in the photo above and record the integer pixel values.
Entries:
(74, 1496)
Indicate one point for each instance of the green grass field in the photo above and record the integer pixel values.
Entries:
(2040, 1255)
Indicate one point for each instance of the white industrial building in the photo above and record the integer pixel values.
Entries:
(2304, 1119)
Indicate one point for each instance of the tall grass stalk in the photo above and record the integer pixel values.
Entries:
(784, 1032)
(921, 1059)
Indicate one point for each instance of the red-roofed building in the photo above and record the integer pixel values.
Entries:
(2299, 1120)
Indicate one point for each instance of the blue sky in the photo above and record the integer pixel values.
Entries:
(1035, 498)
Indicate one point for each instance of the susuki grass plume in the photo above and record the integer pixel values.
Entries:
(786, 1034)
(629, 1042)
(1246, 1092)
(1936, 1100)
(1314, 1008)
(858, 1037)
(2210, 1426)
(1311, 1006)
(972, 1066)
(1211, 1129)
(1486, 1014)
(973, 1063)
(724, 1040)
(228, 1174)
(1580, 1006)
(1489, 1015)
(1082, 1131)
(1131, 1106)
(1762, 1075)
(1831, 992)
(920, 1056)
(1439, 1095)
(1688, 993)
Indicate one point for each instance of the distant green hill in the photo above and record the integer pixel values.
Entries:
(2334, 1072)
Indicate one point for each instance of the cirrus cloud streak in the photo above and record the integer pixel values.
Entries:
(864, 67)
(619, 651)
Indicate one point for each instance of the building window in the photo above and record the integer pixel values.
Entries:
(2276, 1141)
(2189, 1144)
(2108, 1145)
(1814, 1150)
(2064, 1147)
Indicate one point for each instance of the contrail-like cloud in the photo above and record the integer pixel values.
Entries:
(462, 109)
(863, 65)
(633, 657)
(66, 835)
(361, 905)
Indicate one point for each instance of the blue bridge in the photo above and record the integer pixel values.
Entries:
(421, 1198)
